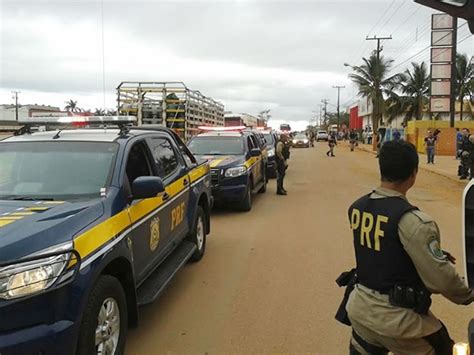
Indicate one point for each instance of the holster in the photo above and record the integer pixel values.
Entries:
(348, 280)
(416, 298)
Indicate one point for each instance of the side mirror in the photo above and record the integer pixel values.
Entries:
(255, 152)
(147, 187)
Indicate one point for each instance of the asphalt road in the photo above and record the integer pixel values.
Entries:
(266, 283)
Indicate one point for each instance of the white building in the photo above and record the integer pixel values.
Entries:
(8, 112)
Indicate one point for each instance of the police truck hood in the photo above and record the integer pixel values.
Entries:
(28, 227)
(223, 161)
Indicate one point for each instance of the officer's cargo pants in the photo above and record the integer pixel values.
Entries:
(281, 171)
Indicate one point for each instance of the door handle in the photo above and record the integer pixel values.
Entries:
(185, 182)
(166, 196)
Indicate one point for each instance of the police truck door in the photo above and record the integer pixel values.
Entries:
(148, 216)
(172, 169)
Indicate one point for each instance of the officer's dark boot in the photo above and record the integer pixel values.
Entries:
(280, 189)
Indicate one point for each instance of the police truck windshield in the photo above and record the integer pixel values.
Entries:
(217, 145)
(54, 170)
(269, 138)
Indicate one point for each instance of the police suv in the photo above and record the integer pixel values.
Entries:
(238, 161)
(93, 224)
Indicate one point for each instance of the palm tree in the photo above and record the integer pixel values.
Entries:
(374, 82)
(414, 86)
(71, 106)
(99, 112)
(464, 80)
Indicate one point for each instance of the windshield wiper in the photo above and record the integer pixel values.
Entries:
(28, 198)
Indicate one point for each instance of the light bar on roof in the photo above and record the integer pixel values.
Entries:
(228, 129)
(79, 120)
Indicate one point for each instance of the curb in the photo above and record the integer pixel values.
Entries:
(452, 178)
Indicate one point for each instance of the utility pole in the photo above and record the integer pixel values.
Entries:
(15, 96)
(325, 103)
(452, 98)
(338, 87)
(378, 39)
(377, 115)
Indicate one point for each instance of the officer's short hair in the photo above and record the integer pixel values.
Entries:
(398, 160)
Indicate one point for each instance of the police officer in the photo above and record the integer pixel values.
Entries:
(281, 159)
(399, 265)
(353, 139)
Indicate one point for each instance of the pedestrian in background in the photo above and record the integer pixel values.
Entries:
(458, 143)
(396, 135)
(332, 142)
(430, 145)
(281, 158)
(465, 155)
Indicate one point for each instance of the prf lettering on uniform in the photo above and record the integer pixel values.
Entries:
(177, 215)
(368, 229)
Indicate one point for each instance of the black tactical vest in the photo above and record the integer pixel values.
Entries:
(382, 262)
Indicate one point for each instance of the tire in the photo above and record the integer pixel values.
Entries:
(246, 204)
(263, 189)
(198, 235)
(106, 296)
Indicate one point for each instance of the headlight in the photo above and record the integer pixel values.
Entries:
(295, 141)
(234, 172)
(305, 141)
(271, 152)
(31, 277)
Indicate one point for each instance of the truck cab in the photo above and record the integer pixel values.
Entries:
(94, 223)
(238, 162)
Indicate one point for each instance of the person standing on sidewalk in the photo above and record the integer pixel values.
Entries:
(281, 163)
(430, 145)
(459, 136)
(396, 135)
(332, 142)
(465, 155)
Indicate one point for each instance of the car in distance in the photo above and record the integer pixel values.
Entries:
(93, 224)
(238, 162)
(322, 135)
(300, 141)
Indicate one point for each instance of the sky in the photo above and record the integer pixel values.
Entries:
(253, 55)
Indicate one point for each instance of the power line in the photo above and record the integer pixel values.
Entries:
(407, 19)
(391, 17)
(381, 17)
(427, 47)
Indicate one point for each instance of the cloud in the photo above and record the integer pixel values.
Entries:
(251, 55)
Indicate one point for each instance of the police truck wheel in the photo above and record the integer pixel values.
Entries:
(105, 320)
(263, 189)
(198, 235)
(246, 204)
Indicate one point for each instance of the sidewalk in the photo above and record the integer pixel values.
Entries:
(445, 166)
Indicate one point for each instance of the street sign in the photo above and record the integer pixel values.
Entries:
(442, 38)
(441, 54)
(441, 71)
(440, 88)
(439, 104)
(441, 22)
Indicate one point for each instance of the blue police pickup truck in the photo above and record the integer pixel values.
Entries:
(93, 224)
(238, 161)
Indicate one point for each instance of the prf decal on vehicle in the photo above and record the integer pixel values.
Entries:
(154, 233)
(177, 215)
